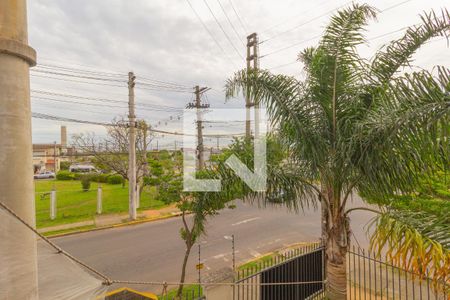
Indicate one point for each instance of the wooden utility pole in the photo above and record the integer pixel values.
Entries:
(200, 148)
(132, 148)
(198, 105)
(252, 63)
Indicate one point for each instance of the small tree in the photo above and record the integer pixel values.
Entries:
(166, 176)
(86, 183)
(200, 205)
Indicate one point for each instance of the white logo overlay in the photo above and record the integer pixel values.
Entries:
(223, 125)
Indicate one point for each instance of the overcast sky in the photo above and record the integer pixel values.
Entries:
(164, 40)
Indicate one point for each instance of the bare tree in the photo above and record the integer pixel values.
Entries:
(111, 152)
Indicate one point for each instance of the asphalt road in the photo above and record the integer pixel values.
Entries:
(154, 251)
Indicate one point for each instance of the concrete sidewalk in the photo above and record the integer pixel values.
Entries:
(109, 220)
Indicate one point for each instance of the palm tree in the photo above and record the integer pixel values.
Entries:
(355, 125)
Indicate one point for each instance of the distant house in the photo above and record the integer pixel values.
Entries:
(48, 157)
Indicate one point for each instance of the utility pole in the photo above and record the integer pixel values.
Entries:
(132, 148)
(198, 105)
(252, 63)
(17, 192)
(54, 157)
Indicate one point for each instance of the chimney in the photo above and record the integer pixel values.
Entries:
(63, 137)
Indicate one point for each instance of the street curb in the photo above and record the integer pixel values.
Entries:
(130, 223)
(274, 252)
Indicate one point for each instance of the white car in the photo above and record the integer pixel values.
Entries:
(44, 175)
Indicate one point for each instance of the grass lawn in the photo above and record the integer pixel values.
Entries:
(188, 290)
(75, 205)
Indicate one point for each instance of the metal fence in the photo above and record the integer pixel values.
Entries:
(299, 273)
(295, 274)
(369, 277)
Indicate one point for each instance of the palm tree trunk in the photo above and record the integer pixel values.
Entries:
(336, 250)
(183, 270)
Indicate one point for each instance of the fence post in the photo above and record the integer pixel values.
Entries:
(53, 204)
(138, 196)
(99, 199)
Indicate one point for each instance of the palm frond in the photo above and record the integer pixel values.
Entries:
(400, 138)
(339, 65)
(295, 113)
(287, 184)
(416, 241)
(398, 53)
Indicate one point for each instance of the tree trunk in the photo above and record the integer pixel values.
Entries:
(336, 249)
(183, 270)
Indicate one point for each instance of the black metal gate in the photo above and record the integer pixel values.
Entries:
(295, 279)
(298, 275)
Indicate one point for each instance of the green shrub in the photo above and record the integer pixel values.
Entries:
(115, 179)
(86, 183)
(101, 178)
(64, 175)
(64, 165)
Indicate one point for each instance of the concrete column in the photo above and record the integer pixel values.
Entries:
(99, 200)
(53, 204)
(18, 259)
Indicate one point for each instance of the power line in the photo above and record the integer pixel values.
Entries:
(290, 18)
(76, 81)
(77, 76)
(71, 120)
(395, 5)
(317, 36)
(206, 28)
(156, 106)
(244, 27)
(163, 87)
(74, 109)
(81, 71)
(283, 65)
(371, 39)
(291, 46)
(304, 23)
(223, 30)
(98, 104)
(50, 69)
(231, 24)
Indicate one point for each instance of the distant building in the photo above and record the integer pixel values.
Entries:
(48, 157)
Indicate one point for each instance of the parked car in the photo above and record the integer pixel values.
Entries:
(44, 175)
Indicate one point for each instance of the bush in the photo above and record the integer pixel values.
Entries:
(64, 165)
(115, 179)
(101, 178)
(65, 175)
(86, 183)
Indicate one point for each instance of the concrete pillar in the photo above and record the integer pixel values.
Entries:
(53, 204)
(18, 259)
(99, 200)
